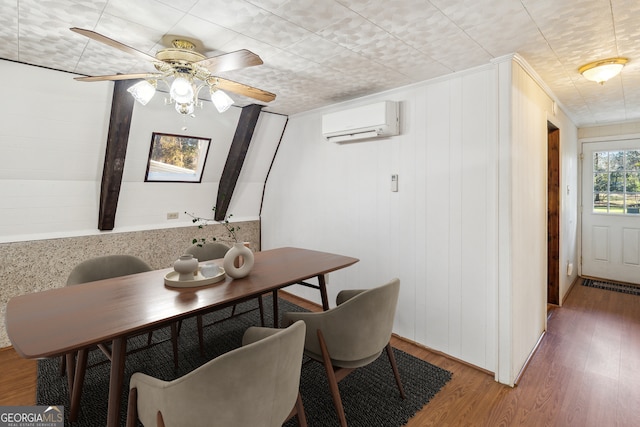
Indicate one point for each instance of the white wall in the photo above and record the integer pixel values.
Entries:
(524, 279)
(52, 145)
(447, 234)
(437, 233)
(613, 129)
(467, 229)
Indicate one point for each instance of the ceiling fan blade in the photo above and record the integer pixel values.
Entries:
(230, 61)
(242, 89)
(116, 77)
(113, 43)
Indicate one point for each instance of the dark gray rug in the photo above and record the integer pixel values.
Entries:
(610, 286)
(369, 394)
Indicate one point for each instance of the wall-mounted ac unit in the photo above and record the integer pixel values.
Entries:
(370, 121)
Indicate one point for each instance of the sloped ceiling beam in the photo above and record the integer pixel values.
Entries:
(235, 159)
(119, 126)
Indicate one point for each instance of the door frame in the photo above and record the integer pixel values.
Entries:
(553, 214)
(609, 144)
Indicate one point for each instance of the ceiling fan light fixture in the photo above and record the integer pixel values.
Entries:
(603, 70)
(181, 90)
(221, 100)
(143, 91)
(185, 72)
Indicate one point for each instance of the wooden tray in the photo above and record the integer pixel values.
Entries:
(171, 279)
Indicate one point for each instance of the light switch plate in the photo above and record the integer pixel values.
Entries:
(394, 182)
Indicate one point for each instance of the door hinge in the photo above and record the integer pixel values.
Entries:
(581, 156)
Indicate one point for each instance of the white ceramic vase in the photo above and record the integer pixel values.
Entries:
(238, 251)
(186, 266)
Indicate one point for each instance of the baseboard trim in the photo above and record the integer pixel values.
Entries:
(526, 363)
(577, 280)
(445, 355)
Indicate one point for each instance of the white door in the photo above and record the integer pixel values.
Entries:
(610, 210)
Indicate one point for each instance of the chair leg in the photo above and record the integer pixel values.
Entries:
(302, 417)
(261, 310)
(149, 338)
(174, 343)
(394, 366)
(132, 408)
(200, 334)
(333, 382)
(63, 365)
(106, 350)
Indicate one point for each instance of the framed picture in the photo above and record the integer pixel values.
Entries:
(176, 158)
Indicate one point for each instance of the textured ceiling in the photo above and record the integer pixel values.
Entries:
(319, 52)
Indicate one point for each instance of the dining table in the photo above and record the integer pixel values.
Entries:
(72, 319)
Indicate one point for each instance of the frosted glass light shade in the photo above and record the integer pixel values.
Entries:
(181, 90)
(221, 100)
(142, 91)
(601, 71)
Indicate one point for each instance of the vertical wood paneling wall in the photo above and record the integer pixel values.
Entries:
(466, 231)
(529, 215)
(525, 278)
(437, 233)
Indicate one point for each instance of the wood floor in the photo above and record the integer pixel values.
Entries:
(586, 372)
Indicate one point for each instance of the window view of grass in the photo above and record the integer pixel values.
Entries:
(616, 182)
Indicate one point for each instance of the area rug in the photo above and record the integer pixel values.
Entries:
(369, 394)
(610, 286)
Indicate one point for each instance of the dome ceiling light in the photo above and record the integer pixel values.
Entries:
(603, 70)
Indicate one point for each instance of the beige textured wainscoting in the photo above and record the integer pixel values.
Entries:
(38, 265)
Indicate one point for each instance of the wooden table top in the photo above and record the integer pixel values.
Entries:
(57, 321)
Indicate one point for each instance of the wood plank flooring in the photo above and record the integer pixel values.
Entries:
(586, 372)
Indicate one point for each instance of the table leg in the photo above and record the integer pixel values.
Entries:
(118, 353)
(78, 380)
(323, 292)
(70, 369)
(275, 308)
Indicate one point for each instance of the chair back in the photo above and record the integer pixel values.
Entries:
(106, 267)
(357, 330)
(208, 251)
(254, 385)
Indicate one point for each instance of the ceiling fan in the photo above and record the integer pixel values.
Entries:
(185, 71)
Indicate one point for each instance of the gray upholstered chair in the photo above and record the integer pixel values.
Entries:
(351, 335)
(100, 268)
(254, 385)
(208, 252)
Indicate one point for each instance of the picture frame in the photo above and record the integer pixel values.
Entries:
(176, 158)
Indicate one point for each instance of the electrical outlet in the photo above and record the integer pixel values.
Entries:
(172, 215)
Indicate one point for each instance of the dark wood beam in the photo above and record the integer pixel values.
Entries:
(235, 159)
(119, 126)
